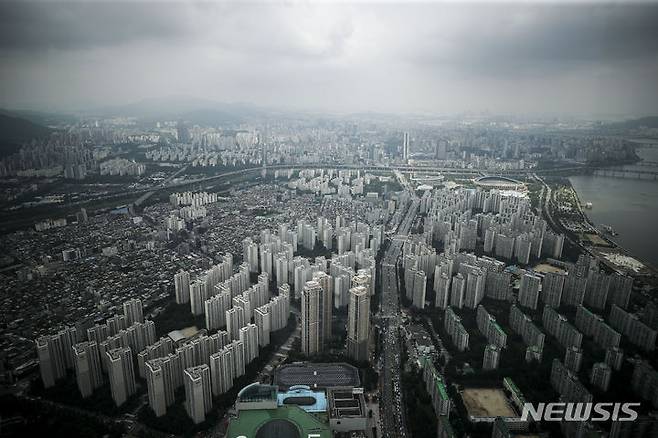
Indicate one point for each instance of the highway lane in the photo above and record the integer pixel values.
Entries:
(392, 403)
(166, 185)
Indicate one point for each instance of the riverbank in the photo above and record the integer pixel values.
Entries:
(632, 250)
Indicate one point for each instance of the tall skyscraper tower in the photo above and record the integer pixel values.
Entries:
(216, 308)
(326, 282)
(198, 392)
(358, 324)
(263, 320)
(182, 287)
(198, 296)
(87, 367)
(155, 382)
(182, 132)
(442, 290)
(222, 370)
(235, 320)
(122, 374)
(491, 357)
(552, 287)
(405, 147)
(238, 355)
(441, 150)
(311, 318)
(132, 310)
(420, 282)
(529, 291)
(51, 360)
(249, 338)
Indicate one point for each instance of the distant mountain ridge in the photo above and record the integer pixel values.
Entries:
(14, 131)
(43, 118)
(202, 111)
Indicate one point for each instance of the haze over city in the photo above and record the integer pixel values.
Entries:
(328, 219)
(580, 58)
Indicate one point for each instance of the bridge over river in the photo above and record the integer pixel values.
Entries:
(644, 174)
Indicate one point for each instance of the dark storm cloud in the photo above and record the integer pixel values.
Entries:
(511, 38)
(249, 27)
(38, 25)
(443, 57)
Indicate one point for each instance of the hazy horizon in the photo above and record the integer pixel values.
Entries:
(441, 58)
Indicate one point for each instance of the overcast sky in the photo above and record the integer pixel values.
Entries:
(395, 57)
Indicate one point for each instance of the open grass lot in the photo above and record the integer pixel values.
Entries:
(487, 402)
(596, 240)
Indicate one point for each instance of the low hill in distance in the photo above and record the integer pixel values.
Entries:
(15, 131)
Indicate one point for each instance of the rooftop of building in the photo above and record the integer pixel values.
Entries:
(317, 375)
(182, 335)
(304, 397)
(257, 392)
(497, 181)
(283, 422)
(346, 402)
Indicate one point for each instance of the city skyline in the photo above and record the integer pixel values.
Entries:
(329, 219)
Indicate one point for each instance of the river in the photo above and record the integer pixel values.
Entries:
(629, 206)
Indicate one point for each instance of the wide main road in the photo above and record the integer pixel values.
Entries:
(391, 403)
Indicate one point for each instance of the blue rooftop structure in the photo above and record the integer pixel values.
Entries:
(303, 397)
